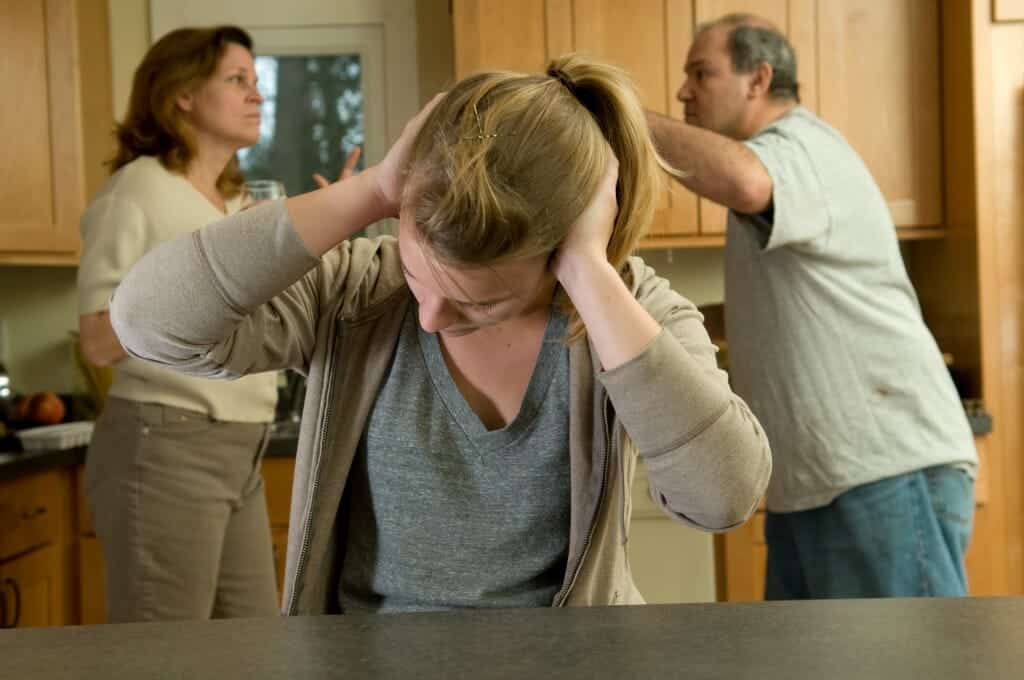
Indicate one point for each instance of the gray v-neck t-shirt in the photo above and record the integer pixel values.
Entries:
(442, 513)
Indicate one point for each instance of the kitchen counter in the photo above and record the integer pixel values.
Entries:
(283, 443)
(936, 639)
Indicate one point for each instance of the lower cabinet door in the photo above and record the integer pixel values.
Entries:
(92, 593)
(32, 590)
(280, 540)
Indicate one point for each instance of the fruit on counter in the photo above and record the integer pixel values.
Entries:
(42, 408)
(47, 408)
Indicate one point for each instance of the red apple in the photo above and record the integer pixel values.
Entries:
(46, 408)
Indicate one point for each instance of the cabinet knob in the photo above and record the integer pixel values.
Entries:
(34, 512)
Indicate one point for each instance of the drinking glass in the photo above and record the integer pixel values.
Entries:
(263, 190)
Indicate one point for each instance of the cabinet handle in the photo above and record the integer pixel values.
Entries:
(17, 601)
(34, 512)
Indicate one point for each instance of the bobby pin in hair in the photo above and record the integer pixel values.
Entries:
(480, 126)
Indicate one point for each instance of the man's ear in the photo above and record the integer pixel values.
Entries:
(761, 81)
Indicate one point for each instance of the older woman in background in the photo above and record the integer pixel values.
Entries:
(173, 471)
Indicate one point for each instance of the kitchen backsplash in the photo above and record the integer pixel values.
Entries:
(39, 307)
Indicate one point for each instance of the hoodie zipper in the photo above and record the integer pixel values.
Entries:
(564, 595)
(326, 392)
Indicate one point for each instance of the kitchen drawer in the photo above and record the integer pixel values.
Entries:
(31, 509)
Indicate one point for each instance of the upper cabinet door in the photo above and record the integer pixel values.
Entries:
(796, 18)
(648, 39)
(880, 88)
(518, 36)
(41, 178)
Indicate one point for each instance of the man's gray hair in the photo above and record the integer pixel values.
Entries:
(753, 40)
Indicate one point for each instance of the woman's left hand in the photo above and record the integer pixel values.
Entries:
(587, 241)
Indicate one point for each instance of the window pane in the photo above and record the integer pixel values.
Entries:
(312, 116)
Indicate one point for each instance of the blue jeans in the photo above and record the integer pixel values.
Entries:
(899, 537)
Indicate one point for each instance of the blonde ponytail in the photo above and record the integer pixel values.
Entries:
(608, 94)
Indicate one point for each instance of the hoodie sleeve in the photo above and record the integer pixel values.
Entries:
(238, 296)
(707, 457)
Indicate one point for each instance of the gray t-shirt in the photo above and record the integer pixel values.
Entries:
(443, 513)
(826, 340)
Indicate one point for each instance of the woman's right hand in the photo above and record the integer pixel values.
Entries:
(390, 174)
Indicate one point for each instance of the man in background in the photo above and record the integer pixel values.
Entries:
(872, 493)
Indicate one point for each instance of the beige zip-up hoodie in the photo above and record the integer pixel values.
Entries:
(243, 295)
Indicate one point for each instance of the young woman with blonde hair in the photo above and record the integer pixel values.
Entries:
(480, 386)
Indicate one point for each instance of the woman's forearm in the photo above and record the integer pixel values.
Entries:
(99, 342)
(326, 217)
(619, 327)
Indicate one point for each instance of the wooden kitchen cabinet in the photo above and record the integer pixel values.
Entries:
(900, 141)
(54, 63)
(740, 558)
(886, 100)
(278, 474)
(92, 603)
(279, 539)
(31, 512)
(32, 589)
(507, 35)
(36, 550)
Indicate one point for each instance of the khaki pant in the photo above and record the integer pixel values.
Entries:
(179, 508)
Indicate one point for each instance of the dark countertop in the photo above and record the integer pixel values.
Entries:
(836, 639)
(283, 443)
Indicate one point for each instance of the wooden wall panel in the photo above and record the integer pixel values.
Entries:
(1002, 267)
